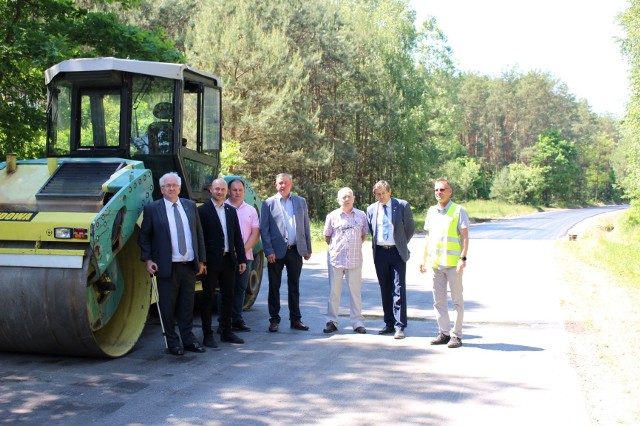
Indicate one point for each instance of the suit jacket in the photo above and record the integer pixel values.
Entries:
(155, 238)
(403, 225)
(214, 237)
(272, 227)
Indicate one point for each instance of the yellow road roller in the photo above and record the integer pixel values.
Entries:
(71, 278)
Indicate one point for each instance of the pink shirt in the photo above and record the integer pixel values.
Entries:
(346, 231)
(248, 218)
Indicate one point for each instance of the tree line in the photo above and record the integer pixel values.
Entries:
(336, 93)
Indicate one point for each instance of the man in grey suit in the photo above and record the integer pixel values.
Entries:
(286, 239)
(172, 246)
(391, 225)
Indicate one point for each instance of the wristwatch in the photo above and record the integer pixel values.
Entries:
(463, 258)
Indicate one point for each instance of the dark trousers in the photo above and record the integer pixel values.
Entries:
(238, 294)
(391, 271)
(176, 294)
(293, 262)
(222, 276)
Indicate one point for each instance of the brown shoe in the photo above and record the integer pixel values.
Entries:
(330, 328)
(299, 325)
(273, 327)
(442, 339)
(455, 342)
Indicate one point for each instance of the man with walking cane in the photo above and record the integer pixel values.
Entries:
(172, 246)
(154, 286)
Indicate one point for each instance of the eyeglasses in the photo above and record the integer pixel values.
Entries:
(440, 189)
(171, 186)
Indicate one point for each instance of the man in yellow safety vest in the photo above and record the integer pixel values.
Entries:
(445, 257)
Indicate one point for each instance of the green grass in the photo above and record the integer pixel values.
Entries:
(484, 209)
(317, 236)
(612, 245)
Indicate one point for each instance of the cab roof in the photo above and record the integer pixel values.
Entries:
(158, 69)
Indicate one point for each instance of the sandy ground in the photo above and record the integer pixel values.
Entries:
(603, 323)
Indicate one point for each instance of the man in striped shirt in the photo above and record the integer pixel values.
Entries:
(345, 230)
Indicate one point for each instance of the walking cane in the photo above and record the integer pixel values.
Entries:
(154, 285)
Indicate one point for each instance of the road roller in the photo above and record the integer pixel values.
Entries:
(71, 278)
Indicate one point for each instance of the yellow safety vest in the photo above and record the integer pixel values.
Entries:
(445, 240)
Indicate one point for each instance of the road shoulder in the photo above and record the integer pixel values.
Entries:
(602, 324)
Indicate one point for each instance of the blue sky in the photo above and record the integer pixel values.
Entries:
(573, 40)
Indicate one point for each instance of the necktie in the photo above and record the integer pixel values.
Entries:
(385, 223)
(182, 241)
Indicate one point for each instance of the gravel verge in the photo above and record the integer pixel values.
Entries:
(603, 325)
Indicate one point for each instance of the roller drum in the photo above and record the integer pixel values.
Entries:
(47, 310)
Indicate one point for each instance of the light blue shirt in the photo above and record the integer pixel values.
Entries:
(380, 225)
(289, 220)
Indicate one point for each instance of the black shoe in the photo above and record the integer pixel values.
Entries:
(230, 337)
(330, 328)
(273, 327)
(175, 350)
(299, 325)
(387, 330)
(239, 326)
(210, 342)
(442, 339)
(455, 342)
(360, 330)
(195, 347)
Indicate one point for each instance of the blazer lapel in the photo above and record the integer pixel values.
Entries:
(162, 214)
(374, 221)
(395, 215)
(297, 213)
(228, 217)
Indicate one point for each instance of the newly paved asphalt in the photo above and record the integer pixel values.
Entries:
(513, 367)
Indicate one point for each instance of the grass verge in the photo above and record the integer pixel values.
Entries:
(612, 244)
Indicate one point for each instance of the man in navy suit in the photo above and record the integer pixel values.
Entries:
(286, 239)
(172, 245)
(225, 254)
(391, 225)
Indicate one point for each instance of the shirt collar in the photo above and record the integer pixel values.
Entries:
(228, 201)
(445, 207)
(169, 203)
(280, 197)
(215, 205)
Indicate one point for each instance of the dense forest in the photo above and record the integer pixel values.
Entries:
(341, 92)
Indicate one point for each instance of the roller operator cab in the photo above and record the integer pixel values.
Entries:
(70, 270)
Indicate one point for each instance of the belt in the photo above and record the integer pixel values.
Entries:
(292, 247)
(183, 263)
(225, 253)
(386, 247)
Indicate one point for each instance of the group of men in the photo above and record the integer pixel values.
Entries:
(180, 241)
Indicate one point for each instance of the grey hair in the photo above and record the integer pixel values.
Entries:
(165, 176)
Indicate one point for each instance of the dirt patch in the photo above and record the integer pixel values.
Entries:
(603, 324)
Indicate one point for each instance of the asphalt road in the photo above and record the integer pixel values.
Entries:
(513, 366)
(539, 226)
